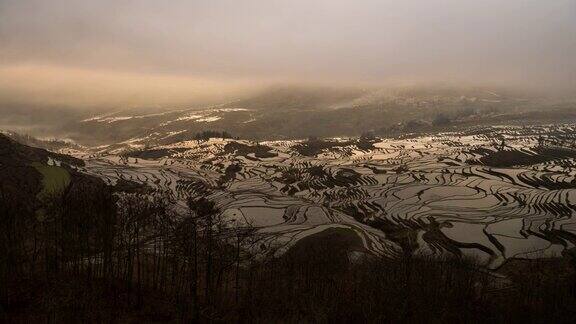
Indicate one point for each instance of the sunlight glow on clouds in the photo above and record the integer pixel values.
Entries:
(155, 50)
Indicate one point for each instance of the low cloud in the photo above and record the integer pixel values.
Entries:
(131, 52)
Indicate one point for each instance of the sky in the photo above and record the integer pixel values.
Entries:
(150, 52)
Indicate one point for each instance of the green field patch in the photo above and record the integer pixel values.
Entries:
(54, 178)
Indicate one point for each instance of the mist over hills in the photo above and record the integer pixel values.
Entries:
(291, 112)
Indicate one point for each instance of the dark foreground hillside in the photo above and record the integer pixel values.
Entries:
(75, 250)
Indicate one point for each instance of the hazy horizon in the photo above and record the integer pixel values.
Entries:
(99, 53)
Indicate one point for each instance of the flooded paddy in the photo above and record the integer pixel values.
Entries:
(494, 193)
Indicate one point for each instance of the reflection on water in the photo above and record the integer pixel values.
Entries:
(460, 193)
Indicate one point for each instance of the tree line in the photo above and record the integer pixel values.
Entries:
(89, 254)
(136, 239)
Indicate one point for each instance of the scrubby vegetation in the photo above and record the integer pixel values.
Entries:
(259, 151)
(207, 134)
(314, 146)
(507, 158)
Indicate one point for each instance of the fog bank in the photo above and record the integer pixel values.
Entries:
(135, 52)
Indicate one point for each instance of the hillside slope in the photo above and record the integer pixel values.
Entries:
(296, 113)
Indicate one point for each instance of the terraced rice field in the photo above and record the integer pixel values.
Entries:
(494, 193)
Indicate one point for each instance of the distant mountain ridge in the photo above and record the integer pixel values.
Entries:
(300, 112)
